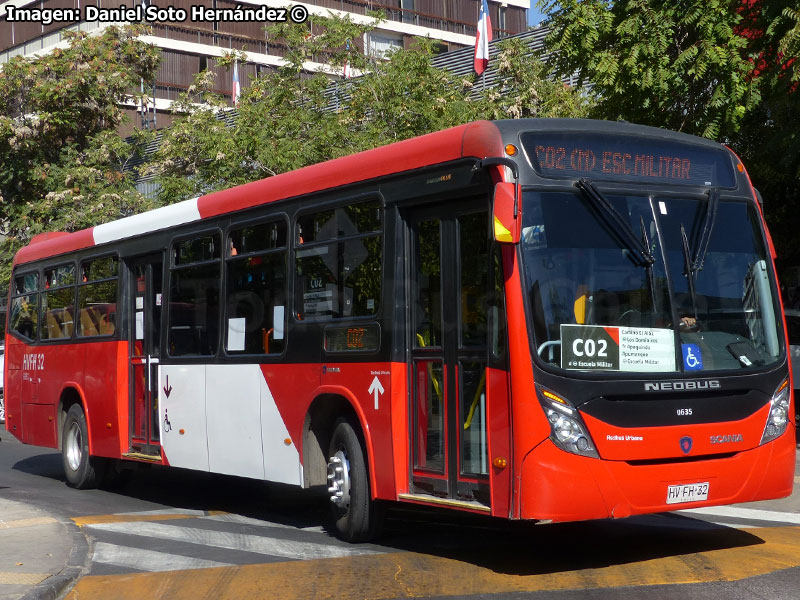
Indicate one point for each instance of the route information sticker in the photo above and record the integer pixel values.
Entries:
(599, 348)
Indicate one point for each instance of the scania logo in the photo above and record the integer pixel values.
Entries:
(682, 386)
(686, 444)
(726, 439)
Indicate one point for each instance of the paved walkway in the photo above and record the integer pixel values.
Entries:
(40, 555)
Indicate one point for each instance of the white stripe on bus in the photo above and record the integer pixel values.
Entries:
(160, 218)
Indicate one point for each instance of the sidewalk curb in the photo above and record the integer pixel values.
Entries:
(55, 585)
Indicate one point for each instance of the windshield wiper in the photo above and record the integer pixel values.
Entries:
(651, 275)
(690, 271)
(709, 219)
(694, 260)
(617, 222)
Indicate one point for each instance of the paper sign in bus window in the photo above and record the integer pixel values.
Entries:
(236, 329)
(599, 348)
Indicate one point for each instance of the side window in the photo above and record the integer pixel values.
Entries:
(97, 297)
(338, 260)
(193, 327)
(24, 312)
(58, 303)
(255, 271)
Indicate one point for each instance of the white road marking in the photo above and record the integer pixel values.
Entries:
(752, 514)
(232, 541)
(231, 518)
(167, 511)
(148, 560)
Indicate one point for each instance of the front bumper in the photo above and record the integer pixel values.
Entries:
(559, 486)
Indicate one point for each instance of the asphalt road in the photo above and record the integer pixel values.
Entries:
(172, 534)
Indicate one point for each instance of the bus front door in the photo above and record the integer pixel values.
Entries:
(145, 299)
(450, 285)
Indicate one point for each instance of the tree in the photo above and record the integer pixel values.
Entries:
(61, 165)
(525, 88)
(290, 118)
(769, 139)
(680, 65)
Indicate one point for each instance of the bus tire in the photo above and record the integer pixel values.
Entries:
(81, 470)
(355, 515)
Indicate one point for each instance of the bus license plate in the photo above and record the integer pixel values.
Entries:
(690, 492)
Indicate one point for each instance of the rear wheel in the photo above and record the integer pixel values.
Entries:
(2, 407)
(356, 517)
(82, 471)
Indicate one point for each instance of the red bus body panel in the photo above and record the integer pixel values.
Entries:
(32, 412)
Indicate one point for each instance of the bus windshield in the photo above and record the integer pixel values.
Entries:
(694, 295)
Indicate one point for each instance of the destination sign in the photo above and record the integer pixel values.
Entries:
(626, 157)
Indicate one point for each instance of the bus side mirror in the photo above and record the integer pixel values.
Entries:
(506, 213)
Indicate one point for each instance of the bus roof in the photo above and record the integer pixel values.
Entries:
(480, 139)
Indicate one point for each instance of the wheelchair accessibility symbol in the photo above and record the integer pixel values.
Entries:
(692, 358)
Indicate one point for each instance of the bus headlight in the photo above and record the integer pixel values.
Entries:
(567, 430)
(778, 416)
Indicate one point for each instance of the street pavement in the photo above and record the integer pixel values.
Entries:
(40, 554)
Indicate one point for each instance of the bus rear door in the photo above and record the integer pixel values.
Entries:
(145, 300)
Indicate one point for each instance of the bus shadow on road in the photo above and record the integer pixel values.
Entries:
(512, 548)
(515, 548)
(49, 465)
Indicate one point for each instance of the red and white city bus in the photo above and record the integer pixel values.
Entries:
(550, 320)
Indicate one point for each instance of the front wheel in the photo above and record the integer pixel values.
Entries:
(82, 471)
(356, 517)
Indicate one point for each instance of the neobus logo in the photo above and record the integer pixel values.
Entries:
(681, 386)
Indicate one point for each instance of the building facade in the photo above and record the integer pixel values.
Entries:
(189, 46)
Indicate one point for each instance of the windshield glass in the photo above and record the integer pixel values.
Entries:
(599, 304)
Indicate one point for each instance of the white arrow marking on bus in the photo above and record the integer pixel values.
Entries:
(375, 388)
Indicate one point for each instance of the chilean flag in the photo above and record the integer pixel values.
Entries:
(237, 89)
(482, 39)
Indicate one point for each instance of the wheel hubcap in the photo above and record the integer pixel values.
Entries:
(339, 480)
(74, 446)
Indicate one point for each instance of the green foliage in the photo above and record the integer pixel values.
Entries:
(282, 124)
(681, 65)
(525, 90)
(61, 160)
(769, 139)
(286, 120)
(405, 96)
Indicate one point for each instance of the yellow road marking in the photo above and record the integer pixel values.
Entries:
(22, 578)
(95, 519)
(27, 522)
(410, 574)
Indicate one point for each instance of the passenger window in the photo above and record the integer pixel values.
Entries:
(58, 303)
(24, 313)
(97, 297)
(194, 297)
(256, 289)
(341, 276)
